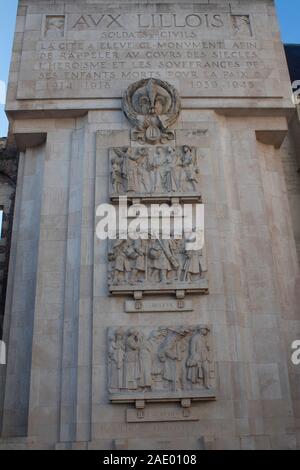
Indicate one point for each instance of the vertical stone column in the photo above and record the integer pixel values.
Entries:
(48, 358)
(21, 293)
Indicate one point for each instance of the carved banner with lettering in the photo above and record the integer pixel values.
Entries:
(151, 306)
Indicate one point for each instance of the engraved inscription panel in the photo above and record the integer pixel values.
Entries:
(161, 415)
(159, 306)
(98, 51)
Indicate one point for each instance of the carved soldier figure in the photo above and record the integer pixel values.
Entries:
(116, 354)
(172, 355)
(200, 359)
(178, 251)
(132, 360)
(139, 250)
(163, 259)
(122, 264)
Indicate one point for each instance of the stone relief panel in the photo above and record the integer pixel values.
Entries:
(54, 26)
(156, 266)
(156, 171)
(161, 364)
(151, 106)
(150, 172)
(241, 25)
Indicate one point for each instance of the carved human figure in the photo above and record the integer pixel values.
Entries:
(120, 165)
(190, 171)
(146, 360)
(172, 354)
(192, 270)
(169, 167)
(132, 166)
(122, 264)
(116, 175)
(178, 251)
(163, 260)
(157, 173)
(155, 340)
(143, 169)
(116, 354)
(137, 174)
(132, 360)
(200, 359)
(138, 251)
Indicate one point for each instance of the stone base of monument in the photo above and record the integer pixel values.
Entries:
(183, 443)
(167, 443)
(179, 289)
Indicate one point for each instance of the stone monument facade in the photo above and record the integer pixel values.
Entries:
(143, 344)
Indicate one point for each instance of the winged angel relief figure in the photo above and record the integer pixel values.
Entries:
(152, 106)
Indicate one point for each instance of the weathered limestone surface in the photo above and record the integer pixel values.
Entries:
(71, 64)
